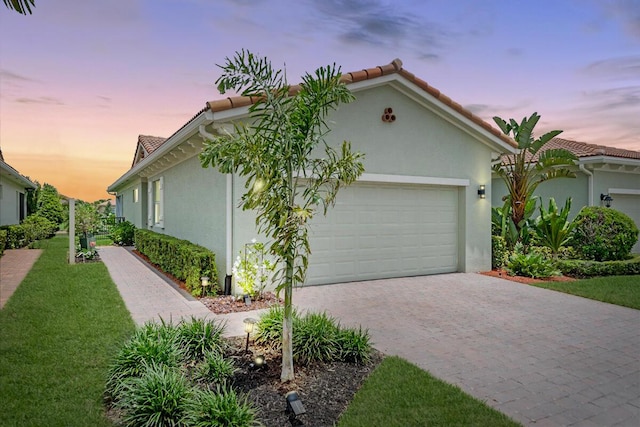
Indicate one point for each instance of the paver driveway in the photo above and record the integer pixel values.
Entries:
(542, 357)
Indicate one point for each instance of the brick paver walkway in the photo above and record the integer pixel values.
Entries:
(542, 357)
(14, 266)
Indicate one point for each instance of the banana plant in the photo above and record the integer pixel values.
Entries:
(553, 227)
(523, 171)
(502, 223)
(21, 6)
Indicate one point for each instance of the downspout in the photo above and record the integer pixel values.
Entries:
(229, 225)
(590, 178)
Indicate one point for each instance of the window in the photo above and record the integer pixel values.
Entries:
(135, 195)
(156, 203)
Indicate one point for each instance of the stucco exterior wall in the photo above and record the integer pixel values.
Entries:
(194, 207)
(9, 202)
(132, 211)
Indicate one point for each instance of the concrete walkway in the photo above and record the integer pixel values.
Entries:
(14, 266)
(149, 296)
(543, 358)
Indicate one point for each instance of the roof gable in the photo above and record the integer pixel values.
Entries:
(146, 145)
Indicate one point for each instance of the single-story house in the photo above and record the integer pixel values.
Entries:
(13, 194)
(604, 175)
(421, 207)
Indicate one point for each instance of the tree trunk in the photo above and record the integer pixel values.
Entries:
(287, 329)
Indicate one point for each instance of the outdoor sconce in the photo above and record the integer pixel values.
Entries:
(248, 328)
(204, 281)
(482, 192)
(607, 199)
(294, 407)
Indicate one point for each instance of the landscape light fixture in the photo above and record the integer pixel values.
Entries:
(294, 407)
(482, 192)
(607, 199)
(248, 328)
(259, 362)
(204, 281)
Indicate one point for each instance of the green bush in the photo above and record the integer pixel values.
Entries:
(604, 234)
(123, 233)
(15, 236)
(37, 227)
(316, 337)
(3, 240)
(584, 269)
(531, 264)
(222, 407)
(499, 251)
(200, 336)
(161, 396)
(215, 368)
(184, 260)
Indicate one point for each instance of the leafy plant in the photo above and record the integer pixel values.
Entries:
(222, 407)
(275, 151)
(354, 345)
(269, 327)
(123, 233)
(215, 368)
(316, 338)
(87, 219)
(553, 228)
(499, 253)
(252, 270)
(604, 234)
(502, 224)
(161, 396)
(199, 337)
(531, 264)
(523, 171)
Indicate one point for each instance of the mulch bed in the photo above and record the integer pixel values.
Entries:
(526, 280)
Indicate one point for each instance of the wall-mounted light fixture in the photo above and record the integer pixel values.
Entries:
(482, 192)
(607, 199)
(249, 323)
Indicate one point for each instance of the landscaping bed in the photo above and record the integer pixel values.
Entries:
(526, 280)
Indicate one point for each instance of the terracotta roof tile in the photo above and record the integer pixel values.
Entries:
(371, 73)
(151, 143)
(582, 149)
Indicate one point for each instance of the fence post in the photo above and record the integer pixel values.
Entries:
(72, 231)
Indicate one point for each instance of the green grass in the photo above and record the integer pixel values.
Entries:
(103, 241)
(619, 290)
(400, 394)
(58, 333)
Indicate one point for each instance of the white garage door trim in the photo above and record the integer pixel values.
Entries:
(431, 248)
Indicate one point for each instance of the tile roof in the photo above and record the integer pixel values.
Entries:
(150, 143)
(582, 149)
(371, 73)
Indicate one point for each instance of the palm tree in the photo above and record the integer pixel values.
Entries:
(523, 171)
(20, 6)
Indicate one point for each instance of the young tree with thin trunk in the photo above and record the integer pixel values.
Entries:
(275, 151)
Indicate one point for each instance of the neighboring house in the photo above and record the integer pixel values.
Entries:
(13, 194)
(600, 171)
(415, 211)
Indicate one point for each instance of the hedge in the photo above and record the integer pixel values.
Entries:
(585, 269)
(182, 259)
(34, 227)
(3, 240)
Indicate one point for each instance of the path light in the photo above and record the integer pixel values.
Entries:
(204, 281)
(607, 199)
(248, 328)
(294, 407)
(259, 362)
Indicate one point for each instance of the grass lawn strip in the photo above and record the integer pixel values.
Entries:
(58, 332)
(619, 290)
(399, 393)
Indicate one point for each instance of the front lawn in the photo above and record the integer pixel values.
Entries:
(58, 332)
(619, 290)
(399, 393)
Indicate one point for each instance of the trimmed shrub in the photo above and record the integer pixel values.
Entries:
(184, 260)
(3, 240)
(15, 236)
(499, 253)
(37, 227)
(123, 233)
(604, 234)
(585, 269)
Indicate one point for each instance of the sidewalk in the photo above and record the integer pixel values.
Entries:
(150, 296)
(14, 266)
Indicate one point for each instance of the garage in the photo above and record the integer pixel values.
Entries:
(378, 231)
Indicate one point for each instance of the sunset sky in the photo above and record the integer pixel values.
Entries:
(80, 80)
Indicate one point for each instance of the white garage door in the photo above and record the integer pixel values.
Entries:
(630, 205)
(378, 231)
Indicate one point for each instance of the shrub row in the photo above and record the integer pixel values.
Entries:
(3, 240)
(316, 337)
(184, 260)
(34, 227)
(585, 269)
(123, 233)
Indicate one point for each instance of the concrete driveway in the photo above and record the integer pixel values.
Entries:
(542, 357)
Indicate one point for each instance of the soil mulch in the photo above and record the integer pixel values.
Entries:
(526, 280)
(325, 389)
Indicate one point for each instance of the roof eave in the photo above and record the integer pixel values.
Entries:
(17, 176)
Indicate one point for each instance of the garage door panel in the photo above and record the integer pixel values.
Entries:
(380, 231)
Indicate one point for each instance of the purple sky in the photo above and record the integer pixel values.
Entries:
(79, 80)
